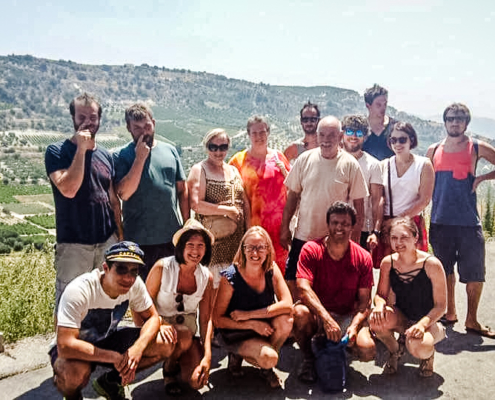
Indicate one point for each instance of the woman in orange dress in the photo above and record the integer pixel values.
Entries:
(263, 172)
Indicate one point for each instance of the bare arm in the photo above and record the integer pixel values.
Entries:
(487, 152)
(282, 306)
(363, 311)
(377, 203)
(183, 196)
(311, 300)
(289, 210)
(291, 152)
(117, 211)
(68, 181)
(129, 183)
(71, 347)
(427, 183)
(359, 206)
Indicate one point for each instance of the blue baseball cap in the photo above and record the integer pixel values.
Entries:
(125, 251)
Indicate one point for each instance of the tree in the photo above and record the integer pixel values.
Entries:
(488, 218)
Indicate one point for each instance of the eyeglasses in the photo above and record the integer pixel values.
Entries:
(249, 248)
(123, 270)
(349, 132)
(215, 147)
(309, 119)
(457, 118)
(180, 300)
(401, 140)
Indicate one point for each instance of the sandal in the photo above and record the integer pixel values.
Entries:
(271, 378)
(235, 365)
(307, 372)
(426, 367)
(392, 364)
(172, 386)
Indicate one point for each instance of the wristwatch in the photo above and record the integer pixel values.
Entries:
(377, 233)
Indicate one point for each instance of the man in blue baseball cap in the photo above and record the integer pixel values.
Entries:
(90, 309)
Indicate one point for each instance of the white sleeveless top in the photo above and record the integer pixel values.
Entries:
(165, 300)
(405, 190)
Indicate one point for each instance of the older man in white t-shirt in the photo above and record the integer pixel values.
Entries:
(318, 178)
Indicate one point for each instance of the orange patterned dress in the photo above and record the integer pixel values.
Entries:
(267, 194)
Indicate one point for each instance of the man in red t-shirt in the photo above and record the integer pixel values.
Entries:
(334, 278)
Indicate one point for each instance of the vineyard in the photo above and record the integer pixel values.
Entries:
(45, 220)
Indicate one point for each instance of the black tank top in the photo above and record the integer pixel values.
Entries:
(244, 297)
(414, 294)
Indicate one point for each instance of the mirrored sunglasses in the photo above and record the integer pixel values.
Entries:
(349, 132)
(401, 140)
(215, 147)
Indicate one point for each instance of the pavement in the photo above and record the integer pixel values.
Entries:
(464, 369)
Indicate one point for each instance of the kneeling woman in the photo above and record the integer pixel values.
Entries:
(253, 324)
(179, 285)
(418, 281)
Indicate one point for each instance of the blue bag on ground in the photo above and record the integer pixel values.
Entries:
(330, 364)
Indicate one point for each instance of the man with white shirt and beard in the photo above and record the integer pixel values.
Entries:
(356, 129)
(318, 178)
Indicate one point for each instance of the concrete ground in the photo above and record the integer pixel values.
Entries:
(464, 369)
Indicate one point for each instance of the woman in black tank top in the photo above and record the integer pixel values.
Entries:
(418, 282)
(253, 307)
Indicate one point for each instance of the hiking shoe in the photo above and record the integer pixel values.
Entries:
(109, 390)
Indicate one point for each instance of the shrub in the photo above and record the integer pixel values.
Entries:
(27, 290)
(4, 249)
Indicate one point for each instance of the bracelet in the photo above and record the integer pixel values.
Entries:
(375, 232)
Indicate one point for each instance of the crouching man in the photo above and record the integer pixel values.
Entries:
(87, 335)
(334, 279)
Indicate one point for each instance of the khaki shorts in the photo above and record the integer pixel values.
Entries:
(188, 320)
(74, 259)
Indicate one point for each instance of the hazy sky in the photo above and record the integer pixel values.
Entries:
(428, 53)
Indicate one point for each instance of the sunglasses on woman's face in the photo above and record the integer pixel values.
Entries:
(215, 147)
(124, 270)
(180, 300)
(401, 140)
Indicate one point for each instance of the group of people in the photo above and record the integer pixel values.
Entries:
(279, 244)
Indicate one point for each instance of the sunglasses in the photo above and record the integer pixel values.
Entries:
(401, 140)
(123, 270)
(309, 119)
(215, 147)
(349, 132)
(249, 248)
(180, 300)
(457, 118)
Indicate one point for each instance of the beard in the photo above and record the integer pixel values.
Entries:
(352, 148)
(148, 139)
(455, 133)
(92, 127)
(310, 131)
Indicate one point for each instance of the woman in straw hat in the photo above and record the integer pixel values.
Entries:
(179, 286)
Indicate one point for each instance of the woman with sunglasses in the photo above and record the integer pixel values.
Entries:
(180, 285)
(215, 188)
(263, 171)
(253, 307)
(408, 185)
(418, 281)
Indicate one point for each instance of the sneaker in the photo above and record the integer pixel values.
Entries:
(109, 390)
